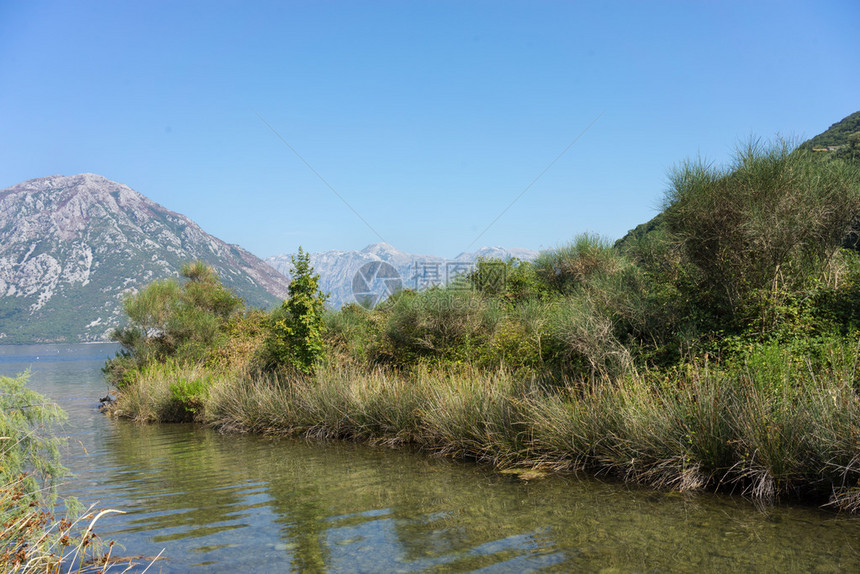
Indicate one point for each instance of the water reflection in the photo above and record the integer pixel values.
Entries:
(243, 503)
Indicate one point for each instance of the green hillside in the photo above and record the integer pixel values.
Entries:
(843, 132)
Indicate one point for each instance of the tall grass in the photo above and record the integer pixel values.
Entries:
(767, 425)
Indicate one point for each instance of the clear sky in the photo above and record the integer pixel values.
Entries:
(428, 118)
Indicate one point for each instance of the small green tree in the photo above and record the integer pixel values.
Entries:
(168, 319)
(295, 335)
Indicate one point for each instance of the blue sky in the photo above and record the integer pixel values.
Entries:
(427, 118)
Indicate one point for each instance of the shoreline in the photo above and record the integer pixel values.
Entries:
(701, 431)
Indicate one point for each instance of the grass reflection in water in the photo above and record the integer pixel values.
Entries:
(351, 508)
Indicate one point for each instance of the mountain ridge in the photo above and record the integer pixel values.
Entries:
(72, 246)
(337, 268)
(836, 135)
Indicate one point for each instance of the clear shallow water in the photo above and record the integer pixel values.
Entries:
(228, 503)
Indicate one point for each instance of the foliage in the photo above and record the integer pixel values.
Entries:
(26, 446)
(836, 135)
(437, 324)
(571, 266)
(295, 337)
(190, 392)
(170, 391)
(187, 322)
(355, 331)
(850, 149)
(245, 334)
(31, 539)
(522, 339)
(765, 229)
(512, 280)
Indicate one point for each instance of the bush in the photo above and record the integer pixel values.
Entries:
(571, 266)
(31, 539)
(764, 229)
(26, 447)
(355, 331)
(186, 322)
(437, 324)
(295, 330)
(511, 280)
(583, 340)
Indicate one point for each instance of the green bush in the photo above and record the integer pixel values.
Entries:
(571, 266)
(520, 341)
(26, 446)
(437, 324)
(511, 280)
(190, 392)
(295, 330)
(355, 331)
(583, 340)
(768, 227)
(186, 322)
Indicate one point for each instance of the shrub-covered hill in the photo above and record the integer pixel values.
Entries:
(839, 134)
(844, 134)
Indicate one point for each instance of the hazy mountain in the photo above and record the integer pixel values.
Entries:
(71, 247)
(337, 269)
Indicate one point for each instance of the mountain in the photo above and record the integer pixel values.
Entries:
(72, 247)
(337, 269)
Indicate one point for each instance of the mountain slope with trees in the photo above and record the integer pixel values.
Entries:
(841, 133)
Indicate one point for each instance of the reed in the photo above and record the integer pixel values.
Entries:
(769, 425)
(33, 541)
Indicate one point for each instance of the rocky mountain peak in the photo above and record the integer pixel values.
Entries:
(72, 246)
(382, 250)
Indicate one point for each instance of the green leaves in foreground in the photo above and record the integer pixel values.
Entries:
(25, 443)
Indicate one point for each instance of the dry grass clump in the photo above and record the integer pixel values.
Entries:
(33, 541)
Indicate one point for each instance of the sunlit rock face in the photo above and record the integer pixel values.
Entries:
(72, 247)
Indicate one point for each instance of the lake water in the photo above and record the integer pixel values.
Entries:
(229, 503)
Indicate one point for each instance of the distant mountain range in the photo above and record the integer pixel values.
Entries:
(72, 247)
(338, 269)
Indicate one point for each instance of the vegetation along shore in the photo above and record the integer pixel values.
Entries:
(32, 538)
(715, 347)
